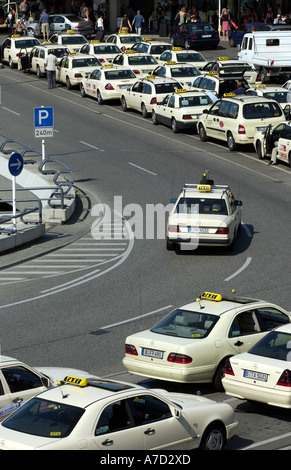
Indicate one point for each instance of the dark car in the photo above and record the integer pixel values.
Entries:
(236, 36)
(195, 35)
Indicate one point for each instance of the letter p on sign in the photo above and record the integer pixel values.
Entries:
(44, 117)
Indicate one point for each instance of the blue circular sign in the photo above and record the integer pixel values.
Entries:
(15, 164)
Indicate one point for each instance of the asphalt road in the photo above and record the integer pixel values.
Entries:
(67, 309)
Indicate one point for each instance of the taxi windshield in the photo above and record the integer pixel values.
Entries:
(74, 40)
(119, 74)
(85, 62)
(280, 96)
(195, 205)
(129, 39)
(186, 324)
(44, 418)
(190, 57)
(61, 52)
(162, 88)
(159, 49)
(261, 110)
(184, 72)
(110, 49)
(24, 43)
(141, 60)
(275, 345)
(194, 101)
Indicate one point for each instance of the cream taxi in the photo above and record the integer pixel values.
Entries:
(105, 414)
(104, 52)
(140, 63)
(39, 55)
(74, 68)
(124, 40)
(149, 46)
(19, 382)
(279, 94)
(226, 67)
(204, 214)
(146, 92)
(70, 39)
(263, 374)
(235, 119)
(181, 110)
(177, 54)
(193, 342)
(279, 137)
(211, 81)
(14, 47)
(184, 73)
(107, 82)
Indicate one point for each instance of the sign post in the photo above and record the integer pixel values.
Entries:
(43, 125)
(15, 166)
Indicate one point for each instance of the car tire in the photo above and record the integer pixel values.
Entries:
(99, 98)
(231, 42)
(289, 159)
(11, 64)
(170, 245)
(68, 83)
(154, 118)
(174, 126)
(214, 437)
(144, 111)
(231, 142)
(38, 72)
(259, 150)
(202, 133)
(30, 32)
(219, 374)
(124, 104)
(82, 91)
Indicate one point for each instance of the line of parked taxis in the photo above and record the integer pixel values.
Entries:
(241, 345)
(176, 87)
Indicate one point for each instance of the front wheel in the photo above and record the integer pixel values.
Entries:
(213, 437)
(202, 133)
(68, 83)
(231, 142)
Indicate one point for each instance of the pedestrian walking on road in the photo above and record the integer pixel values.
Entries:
(50, 66)
(138, 20)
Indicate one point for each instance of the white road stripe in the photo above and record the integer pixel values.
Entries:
(140, 317)
(244, 266)
(143, 169)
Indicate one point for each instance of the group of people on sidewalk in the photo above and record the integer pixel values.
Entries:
(137, 23)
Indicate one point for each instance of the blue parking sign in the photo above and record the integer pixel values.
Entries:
(44, 117)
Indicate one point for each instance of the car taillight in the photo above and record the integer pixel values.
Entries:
(194, 37)
(130, 349)
(285, 379)
(136, 72)
(222, 230)
(153, 100)
(227, 368)
(259, 78)
(216, 35)
(123, 48)
(20, 54)
(186, 116)
(179, 358)
(78, 26)
(241, 129)
(101, 60)
(78, 75)
(109, 87)
(174, 228)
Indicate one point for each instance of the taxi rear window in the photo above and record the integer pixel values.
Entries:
(280, 96)
(141, 60)
(166, 87)
(190, 57)
(129, 39)
(86, 62)
(195, 205)
(110, 49)
(184, 72)
(24, 43)
(74, 40)
(119, 74)
(160, 49)
(194, 101)
(261, 110)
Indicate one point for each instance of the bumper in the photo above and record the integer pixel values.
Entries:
(279, 398)
(170, 374)
(203, 43)
(199, 241)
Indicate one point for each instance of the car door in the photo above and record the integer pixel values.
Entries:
(6, 46)
(160, 427)
(167, 111)
(244, 331)
(284, 141)
(57, 24)
(212, 119)
(62, 69)
(133, 95)
(91, 83)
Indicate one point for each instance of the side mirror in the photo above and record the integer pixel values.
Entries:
(238, 203)
(177, 413)
(205, 111)
(287, 111)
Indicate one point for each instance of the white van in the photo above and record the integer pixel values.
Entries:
(269, 52)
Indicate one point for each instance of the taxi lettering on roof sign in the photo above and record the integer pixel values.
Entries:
(229, 94)
(146, 39)
(150, 77)
(129, 51)
(223, 58)
(203, 187)
(212, 72)
(211, 296)
(70, 379)
(180, 90)
(171, 62)
(177, 49)
(95, 41)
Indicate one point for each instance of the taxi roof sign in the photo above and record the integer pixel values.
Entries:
(146, 39)
(70, 379)
(223, 58)
(204, 187)
(180, 90)
(211, 296)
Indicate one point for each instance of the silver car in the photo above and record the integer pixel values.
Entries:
(62, 23)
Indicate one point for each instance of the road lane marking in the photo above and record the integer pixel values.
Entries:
(267, 441)
(92, 146)
(244, 266)
(140, 317)
(143, 169)
(10, 111)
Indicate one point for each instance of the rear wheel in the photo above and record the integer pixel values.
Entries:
(11, 64)
(99, 98)
(214, 437)
(38, 72)
(202, 133)
(123, 104)
(154, 118)
(144, 111)
(231, 142)
(68, 83)
(174, 126)
(289, 159)
(82, 90)
(170, 245)
(231, 42)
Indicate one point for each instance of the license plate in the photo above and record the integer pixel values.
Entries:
(195, 116)
(123, 86)
(261, 129)
(198, 229)
(152, 353)
(251, 374)
(206, 36)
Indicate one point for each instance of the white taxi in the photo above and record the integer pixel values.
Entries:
(204, 214)
(71, 40)
(141, 64)
(193, 342)
(104, 52)
(19, 382)
(187, 56)
(236, 118)
(226, 67)
(124, 40)
(107, 83)
(184, 73)
(279, 94)
(39, 55)
(73, 68)
(287, 85)
(149, 46)
(272, 136)
(263, 374)
(104, 414)
(146, 92)
(16, 46)
(181, 110)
